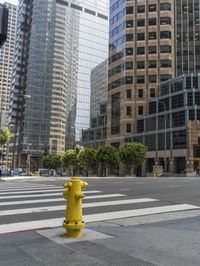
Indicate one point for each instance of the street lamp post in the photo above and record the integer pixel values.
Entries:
(165, 133)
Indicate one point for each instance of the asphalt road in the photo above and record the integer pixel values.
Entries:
(172, 190)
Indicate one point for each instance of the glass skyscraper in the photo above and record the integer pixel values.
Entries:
(58, 43)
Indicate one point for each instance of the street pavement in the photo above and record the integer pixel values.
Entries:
(129, 222)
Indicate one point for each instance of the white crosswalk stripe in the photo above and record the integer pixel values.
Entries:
(30, 209)
(40, 191)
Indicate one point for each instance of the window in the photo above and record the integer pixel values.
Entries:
(165, 7)
(128, 110)
(141, 36)
(140, 22)
(140, 126)
(129, 80)
(165, 77)
(140, 110)
(141, 9)
(129, 24)
(129, 65)
(165, 49)
(129, 51)
(152, 8)
(152, 92)
(152, 35)
(129, 93)
(152, 78)
(152, 49)
(129, 37)
(129, 10)
(140, 65)
(152, 64)
(140, 93)
(165, 35)
(140, 79)
(165, 21)
(128, 128)
(152, 21)
(165, 63)
(140, 50)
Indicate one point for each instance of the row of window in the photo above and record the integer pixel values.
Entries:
(139, 65)
(141, 37)
(140, 51)
(140, 9)
(140, 23)
(139, 80)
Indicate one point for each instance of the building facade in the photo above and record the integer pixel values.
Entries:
(6, 62)
(95, 136)
(154, 45)
(141, 56)
(171, 130)
(51, 77)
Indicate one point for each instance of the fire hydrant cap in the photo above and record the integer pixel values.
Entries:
(84, 184)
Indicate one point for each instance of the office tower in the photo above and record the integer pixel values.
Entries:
(187, 31)
(95, 136)
(6, 62)
(99, 88)
(154, 80)
(3, 24)
(58, 43)
(141, 56)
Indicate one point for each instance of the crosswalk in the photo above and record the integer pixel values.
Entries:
(25, 206)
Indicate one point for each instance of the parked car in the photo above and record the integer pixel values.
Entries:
(43, 172)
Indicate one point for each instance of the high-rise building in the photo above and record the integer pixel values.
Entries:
(187, 32)
(58, 43)
(95, 136)
(6, 62)
(141, 56)
(154, 65)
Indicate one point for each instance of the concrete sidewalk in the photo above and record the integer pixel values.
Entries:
(118, 242)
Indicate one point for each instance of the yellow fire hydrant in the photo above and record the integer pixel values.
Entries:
(73, 222)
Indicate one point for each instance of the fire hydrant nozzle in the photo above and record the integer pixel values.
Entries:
(73, 194)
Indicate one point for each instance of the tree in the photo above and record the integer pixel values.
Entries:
(52, 161)
(88, 159)
(5, 135)
(70, 160)
(108, 157)
(132, 154)
(47, 161)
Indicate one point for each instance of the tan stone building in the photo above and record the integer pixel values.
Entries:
(142, 51)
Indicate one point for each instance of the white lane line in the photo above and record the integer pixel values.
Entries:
(39, 224)
(20, 184)
(29, 188)
(63, 207)
(21, 202)
(43, 194)
(43, 191)
(59, 194)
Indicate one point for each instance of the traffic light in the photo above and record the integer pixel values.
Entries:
(3, 24)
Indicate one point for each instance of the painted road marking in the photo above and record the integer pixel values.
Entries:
(45, 194)
(44, 191)
(50, 223)
(85, 205)
(60, 194)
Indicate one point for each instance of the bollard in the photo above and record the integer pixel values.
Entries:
(73, 222)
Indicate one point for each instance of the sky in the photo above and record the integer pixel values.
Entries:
(10, 1)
